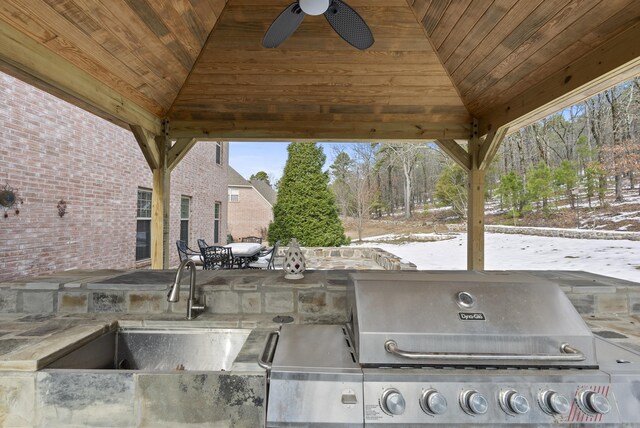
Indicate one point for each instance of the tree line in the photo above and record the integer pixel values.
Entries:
(567, 158)
(576, 153)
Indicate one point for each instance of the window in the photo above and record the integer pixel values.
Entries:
(218, 153)
(216, 222)
(234, 195)
(185, 205)
(143, 227)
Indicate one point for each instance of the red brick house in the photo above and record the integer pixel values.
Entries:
(250, 206)
(85, 207)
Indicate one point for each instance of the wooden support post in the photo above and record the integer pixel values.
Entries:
(475, 210)
(475, 220)
(481, 153)
(161, 196)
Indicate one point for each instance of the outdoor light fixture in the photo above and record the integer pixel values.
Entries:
(62, 207)
(9, 200)
(314, 7)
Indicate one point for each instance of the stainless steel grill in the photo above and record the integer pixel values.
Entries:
(450, 349)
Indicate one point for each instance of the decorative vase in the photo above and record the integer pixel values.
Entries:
(293, 261)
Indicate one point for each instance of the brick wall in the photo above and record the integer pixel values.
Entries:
(51, 150)
(251, 214)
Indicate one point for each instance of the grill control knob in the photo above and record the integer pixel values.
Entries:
(393, 402)
(514, 403)
(473, 403)
(433, 402)
(594, 403)
(554, 403)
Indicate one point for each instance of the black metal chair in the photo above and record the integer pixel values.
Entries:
(252, 239)
(266, 258)
(202, 244)
(185, 253)
(216, 257)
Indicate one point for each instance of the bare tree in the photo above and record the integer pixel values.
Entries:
(405, 155)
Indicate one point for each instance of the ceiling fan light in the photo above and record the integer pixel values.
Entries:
(314, 7)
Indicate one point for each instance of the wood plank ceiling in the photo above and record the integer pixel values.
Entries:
(435, 64)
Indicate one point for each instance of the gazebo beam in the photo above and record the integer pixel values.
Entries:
(613, 62)
(148, 146)
(179, 150)
(333, 131)
(456, 152)
(490, 146)
(35, 64)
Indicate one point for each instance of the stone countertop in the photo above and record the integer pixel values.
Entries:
(32, 342)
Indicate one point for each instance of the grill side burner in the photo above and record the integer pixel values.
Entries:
(518, 355)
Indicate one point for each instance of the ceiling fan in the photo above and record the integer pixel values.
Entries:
(344, 20)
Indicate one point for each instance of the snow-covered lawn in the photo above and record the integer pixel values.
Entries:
(617, 258)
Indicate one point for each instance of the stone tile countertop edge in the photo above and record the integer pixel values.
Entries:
(39, 352)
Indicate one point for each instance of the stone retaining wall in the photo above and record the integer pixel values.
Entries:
(553, 232)
(564, 233)
(383, 258)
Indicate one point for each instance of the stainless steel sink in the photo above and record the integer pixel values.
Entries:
(158, 349)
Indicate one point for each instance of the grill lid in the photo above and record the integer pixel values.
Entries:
(465, 319)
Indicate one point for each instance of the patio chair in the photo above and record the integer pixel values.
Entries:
(266, 259)
(217, 257)
(202, 244)
(185, 253)
(253, 239)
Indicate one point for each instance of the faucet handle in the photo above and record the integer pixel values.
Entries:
(199, 305)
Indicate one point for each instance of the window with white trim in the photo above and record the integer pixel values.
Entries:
(218, 153)
(143, 225)
(234, 195)
(216, 222)
(185, 208)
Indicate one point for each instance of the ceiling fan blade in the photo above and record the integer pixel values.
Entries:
(349, 25)
(283, 26)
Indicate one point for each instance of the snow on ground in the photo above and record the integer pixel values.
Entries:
(616, 258)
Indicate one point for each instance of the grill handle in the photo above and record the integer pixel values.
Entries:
(266, 357)
(568, 353)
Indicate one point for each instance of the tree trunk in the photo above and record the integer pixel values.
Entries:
(619, 196)
(407, 191)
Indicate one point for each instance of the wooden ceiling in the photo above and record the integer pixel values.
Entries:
(435, 65)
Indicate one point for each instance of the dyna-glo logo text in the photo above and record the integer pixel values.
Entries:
(471, 316)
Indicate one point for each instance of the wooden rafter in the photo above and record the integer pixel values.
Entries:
(456, 152)
(148, 146)
(179, 150)
(613, 62)
(40, 66)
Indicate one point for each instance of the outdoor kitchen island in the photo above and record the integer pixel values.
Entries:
(45, 318)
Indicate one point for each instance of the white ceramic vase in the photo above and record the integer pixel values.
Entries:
(294, 263)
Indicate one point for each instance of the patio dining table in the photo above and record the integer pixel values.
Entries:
(244, 252)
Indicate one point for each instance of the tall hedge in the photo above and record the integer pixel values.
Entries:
(306, 208)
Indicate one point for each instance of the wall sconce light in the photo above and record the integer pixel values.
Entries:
(9, 200)
(62, 207)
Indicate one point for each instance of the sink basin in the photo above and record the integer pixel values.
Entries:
(158, 349)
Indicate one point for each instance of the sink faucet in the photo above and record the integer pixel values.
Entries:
(174, 291)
